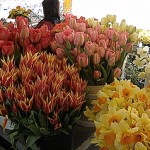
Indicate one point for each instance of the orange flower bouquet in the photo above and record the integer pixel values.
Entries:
(121, 116)
(42, 96)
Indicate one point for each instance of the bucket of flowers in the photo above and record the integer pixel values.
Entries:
(43, 97)
(121, 116)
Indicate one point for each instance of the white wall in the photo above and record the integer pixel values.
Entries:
(136, 12)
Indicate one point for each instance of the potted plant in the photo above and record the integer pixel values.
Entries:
(121, 117)
(43, 97)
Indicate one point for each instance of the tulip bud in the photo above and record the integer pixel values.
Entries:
(24, 34)
(79, 38)
(134, 37)
(123, 25)
(111, 61)
(82, 60)
(80, 27)
(96, 59)
(72, 23)
(60, 53)
(101, 52)
(89, 48)
(59, 38)
(122, 39)
(131, 29)
(117, 72)
(129, 47)
(97, 74)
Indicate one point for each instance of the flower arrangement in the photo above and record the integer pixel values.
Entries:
(97, 49)
(19, 11)
(142, 60)
(121, 116)
(17, 40)
(43, 96)
(144, 37)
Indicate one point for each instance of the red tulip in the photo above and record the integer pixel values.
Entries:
(24, 34)
(8, 48)
(4, 34)
(44, 42)
(35, 35)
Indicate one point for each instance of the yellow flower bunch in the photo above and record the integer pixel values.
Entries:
(144, 36)
(121, 116)
(19, 11)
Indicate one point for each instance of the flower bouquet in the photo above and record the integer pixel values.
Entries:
(19, 11)
(142, 62)
(121, 116)
(97, 49)
(42, 97)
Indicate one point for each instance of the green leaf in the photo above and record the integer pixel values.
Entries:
(42, 119)
(34, 129)
(31, 140)
(44, 131)
(70, 57)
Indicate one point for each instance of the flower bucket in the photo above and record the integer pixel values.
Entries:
(61, 141)
(91, 94)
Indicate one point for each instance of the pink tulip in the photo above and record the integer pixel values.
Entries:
(78, 38)
(117, 72)
(80, 27)
(35, 35)
(109, 32)
(68, 35)
(93, 34)
(60, 53)
(59, 38)
(109, 53)
(97, 74)
(96, 59)
(111, 61)
(101, 52)
(89, 48)
(53, 45)
(122, 39)
(4, 34)
(8, 48)
(115, 36)
(102, 43)
(129, 47)
(82, 60)
(72, 23)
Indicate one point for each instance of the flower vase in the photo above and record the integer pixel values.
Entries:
(61, 141)
(91, 94)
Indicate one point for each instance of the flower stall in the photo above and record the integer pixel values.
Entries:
(44, 77)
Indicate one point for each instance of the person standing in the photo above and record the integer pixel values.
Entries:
(51, 14)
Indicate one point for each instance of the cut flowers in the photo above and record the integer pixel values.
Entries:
(97, 49)
(43, 96)
(121, 115)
